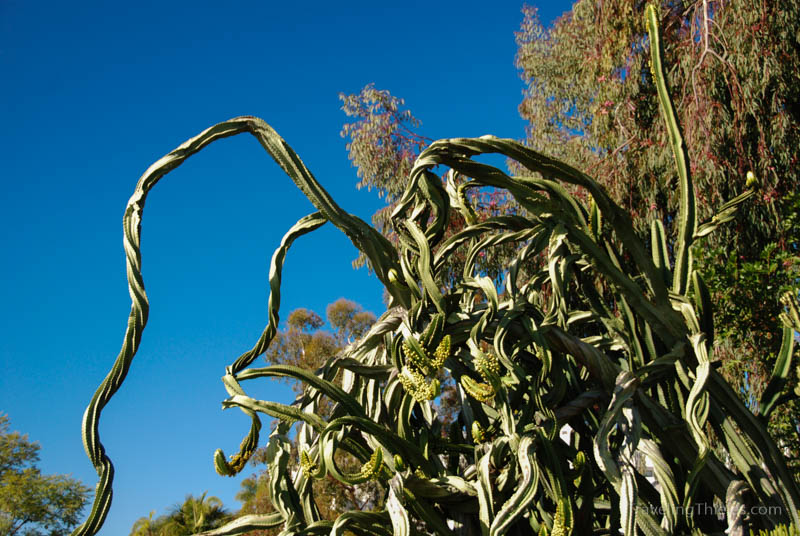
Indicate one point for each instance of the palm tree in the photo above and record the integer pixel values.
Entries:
(147, 526)
(196, 515)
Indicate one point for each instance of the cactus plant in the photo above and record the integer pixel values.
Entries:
(592, 327)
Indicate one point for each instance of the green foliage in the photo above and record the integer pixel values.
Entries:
(383, 144)
(591, 101)
(31, 503)
(592, 326)
(744, 291)
(194, 515)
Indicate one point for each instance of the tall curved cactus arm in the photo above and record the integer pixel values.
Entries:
(306, 225)
(366, 238)
(247, 524)
(771, 396)
(687, 217)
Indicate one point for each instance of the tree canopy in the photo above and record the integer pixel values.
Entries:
(31, 503)
(303, 343)
(383, 142)
(590, 100)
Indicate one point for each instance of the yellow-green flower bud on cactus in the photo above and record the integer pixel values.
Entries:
(393, 277)
(399, 464)
(752, 181)
(410, 379)
(237, 461)
(415, 384)
(436, 388)
(478, 433)
(307, 464)
(562, 522)
(372, 468)
(413, 356)
(483, 392)
(780, 530)
(441, 354)
(487, 364)
(580, 465)
(221, 465)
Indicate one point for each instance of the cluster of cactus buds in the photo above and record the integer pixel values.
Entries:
(482, 392)
(488, 367)
(418, 386)
(371, 469)
(423, 360)
(307, 465)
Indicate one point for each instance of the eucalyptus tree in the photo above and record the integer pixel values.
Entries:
(591, 101)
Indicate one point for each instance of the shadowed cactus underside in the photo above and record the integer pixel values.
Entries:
(591, 326)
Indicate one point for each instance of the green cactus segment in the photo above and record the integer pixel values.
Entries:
(401, 523)
(773, 394)
(433, 332)
(525, 493)
(591, 327)
(249, 443)
(399, 464)
(666, 480)
(687, 222)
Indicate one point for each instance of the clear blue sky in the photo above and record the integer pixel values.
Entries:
(92, 94)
